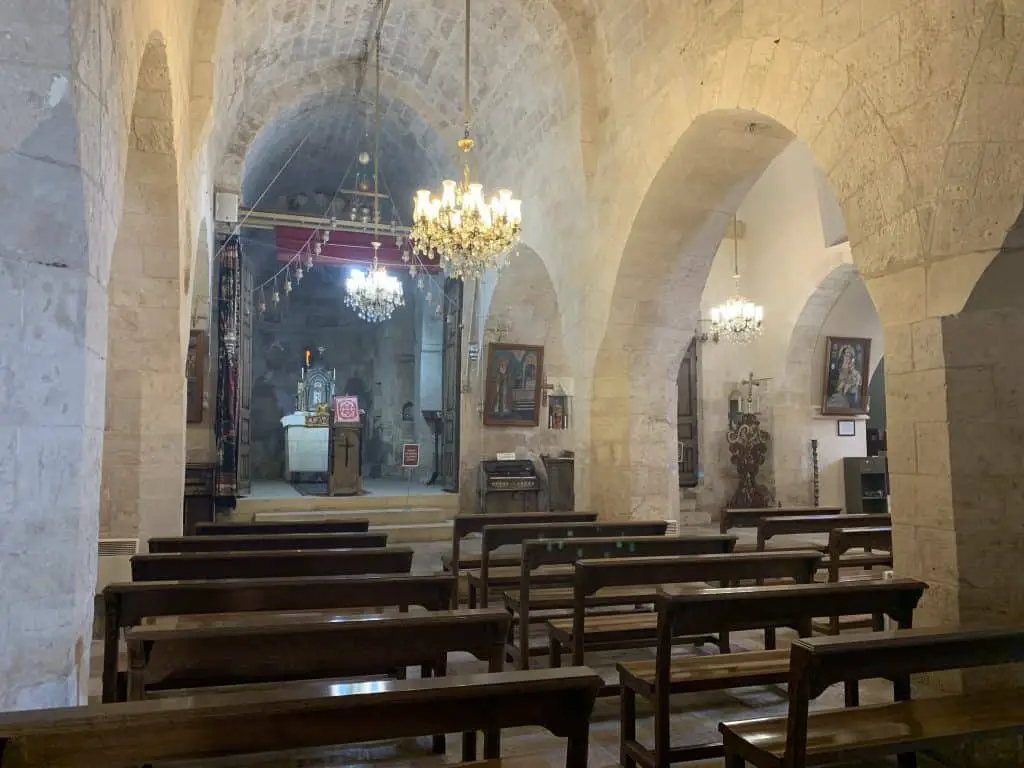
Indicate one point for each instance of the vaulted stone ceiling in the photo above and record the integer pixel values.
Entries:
(283, 52)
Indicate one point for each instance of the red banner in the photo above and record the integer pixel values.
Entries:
(410, 455)
(346, 248)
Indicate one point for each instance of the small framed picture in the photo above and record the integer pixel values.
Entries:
(846, 428)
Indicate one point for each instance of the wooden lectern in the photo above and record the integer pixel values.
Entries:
(344, 465)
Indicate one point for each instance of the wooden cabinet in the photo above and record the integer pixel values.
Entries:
(867, 485)
(199, 500)
(561, 483)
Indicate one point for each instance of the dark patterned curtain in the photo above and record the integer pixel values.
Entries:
(229, 311)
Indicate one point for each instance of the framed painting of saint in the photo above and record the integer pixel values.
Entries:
(845, 379)
(513, 385)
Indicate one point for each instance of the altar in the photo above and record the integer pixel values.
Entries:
(305, 447)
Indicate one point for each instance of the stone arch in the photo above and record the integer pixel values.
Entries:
(792, 395)
(520, 306)
(739, 112)
(144, 434)
(205, 29)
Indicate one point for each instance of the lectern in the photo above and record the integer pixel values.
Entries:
(344, 465)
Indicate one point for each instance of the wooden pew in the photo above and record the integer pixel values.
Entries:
(852, 736)
(126, 605)
(484, 579)
(689, 611)
(645, 576)
(173, 566)
(304, 715)
(192, 652)
(841, 541)
(748, 518)
(277, 527)
(768, 527)
(248, 543)
(538, 554)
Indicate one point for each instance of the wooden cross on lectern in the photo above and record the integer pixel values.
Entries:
(545, 387)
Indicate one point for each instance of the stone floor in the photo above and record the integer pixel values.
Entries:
(695, 717)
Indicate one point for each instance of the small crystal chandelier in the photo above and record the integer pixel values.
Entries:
(469, 233)
(737, 320)
(375, 294)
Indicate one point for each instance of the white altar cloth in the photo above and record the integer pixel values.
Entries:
(305, 447)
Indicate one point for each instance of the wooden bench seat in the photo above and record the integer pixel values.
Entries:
(465, 525)
(175, 566)
(790, 525)
(840, 543)
(690, 611)
(243, 543)
(277, 527)
(748, 518)
(853, 735)
(307, 715)
(842, 736)
(126, 605)
(541, 554)
(493, 537)
(647, 577)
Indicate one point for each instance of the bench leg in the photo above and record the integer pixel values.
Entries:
(851, 689)
(437, 669)
(723, 642)
(662, 731)
(734, 761)
(906, 760)
(627, 724)
(554, 653)
(492, 744)
(469, 747)
(769, 638)
(578, 746)
(471, 596)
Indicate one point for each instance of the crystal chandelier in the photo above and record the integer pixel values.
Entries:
(737, 320)
(375, 294)
(461, 226)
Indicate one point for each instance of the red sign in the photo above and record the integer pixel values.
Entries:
(346, 409)
(410, 455)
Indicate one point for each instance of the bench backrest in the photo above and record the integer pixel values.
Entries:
(747, 518)
(464, 525)
(305, 715)
(784, 525)
(271, 527)
(592, 575)
(537, 553)
(125, 605)
(841, 540)
(269, 542)
(816, 663)
(202, 651)
(253, 565)
(503, 535)
(699, 611)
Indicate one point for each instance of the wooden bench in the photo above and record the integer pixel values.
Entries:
(305, 715)
(840, 542)
(538, 554)
(126, 605)
(786, 525)
(189, 652)
(254, 565)
(270, 542)
(483, 580)
(695, 611)
(466, 525)
(645, 576)
(748, 518)
(901, 728)
(276, 527)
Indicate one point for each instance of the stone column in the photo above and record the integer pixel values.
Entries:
(52, 342)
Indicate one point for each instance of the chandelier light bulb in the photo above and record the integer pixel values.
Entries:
(737, 320)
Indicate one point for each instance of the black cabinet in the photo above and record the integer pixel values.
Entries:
(199, 498)
(867, 485)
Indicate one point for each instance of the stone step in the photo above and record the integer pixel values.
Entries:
(249, 507)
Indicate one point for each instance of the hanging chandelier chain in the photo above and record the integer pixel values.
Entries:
(468, 106)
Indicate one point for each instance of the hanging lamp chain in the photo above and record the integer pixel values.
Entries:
(376, 137)
(735, 251)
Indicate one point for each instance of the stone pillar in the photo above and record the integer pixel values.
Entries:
(52, 343)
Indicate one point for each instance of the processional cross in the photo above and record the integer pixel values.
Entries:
(750, 383)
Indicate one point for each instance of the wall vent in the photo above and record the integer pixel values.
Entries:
(115, 561)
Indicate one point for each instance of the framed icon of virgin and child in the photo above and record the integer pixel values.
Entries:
(512, 396)
(845, 378)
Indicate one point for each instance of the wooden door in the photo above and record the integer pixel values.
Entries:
(245, 384)
(451, 384)
(686, 413)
